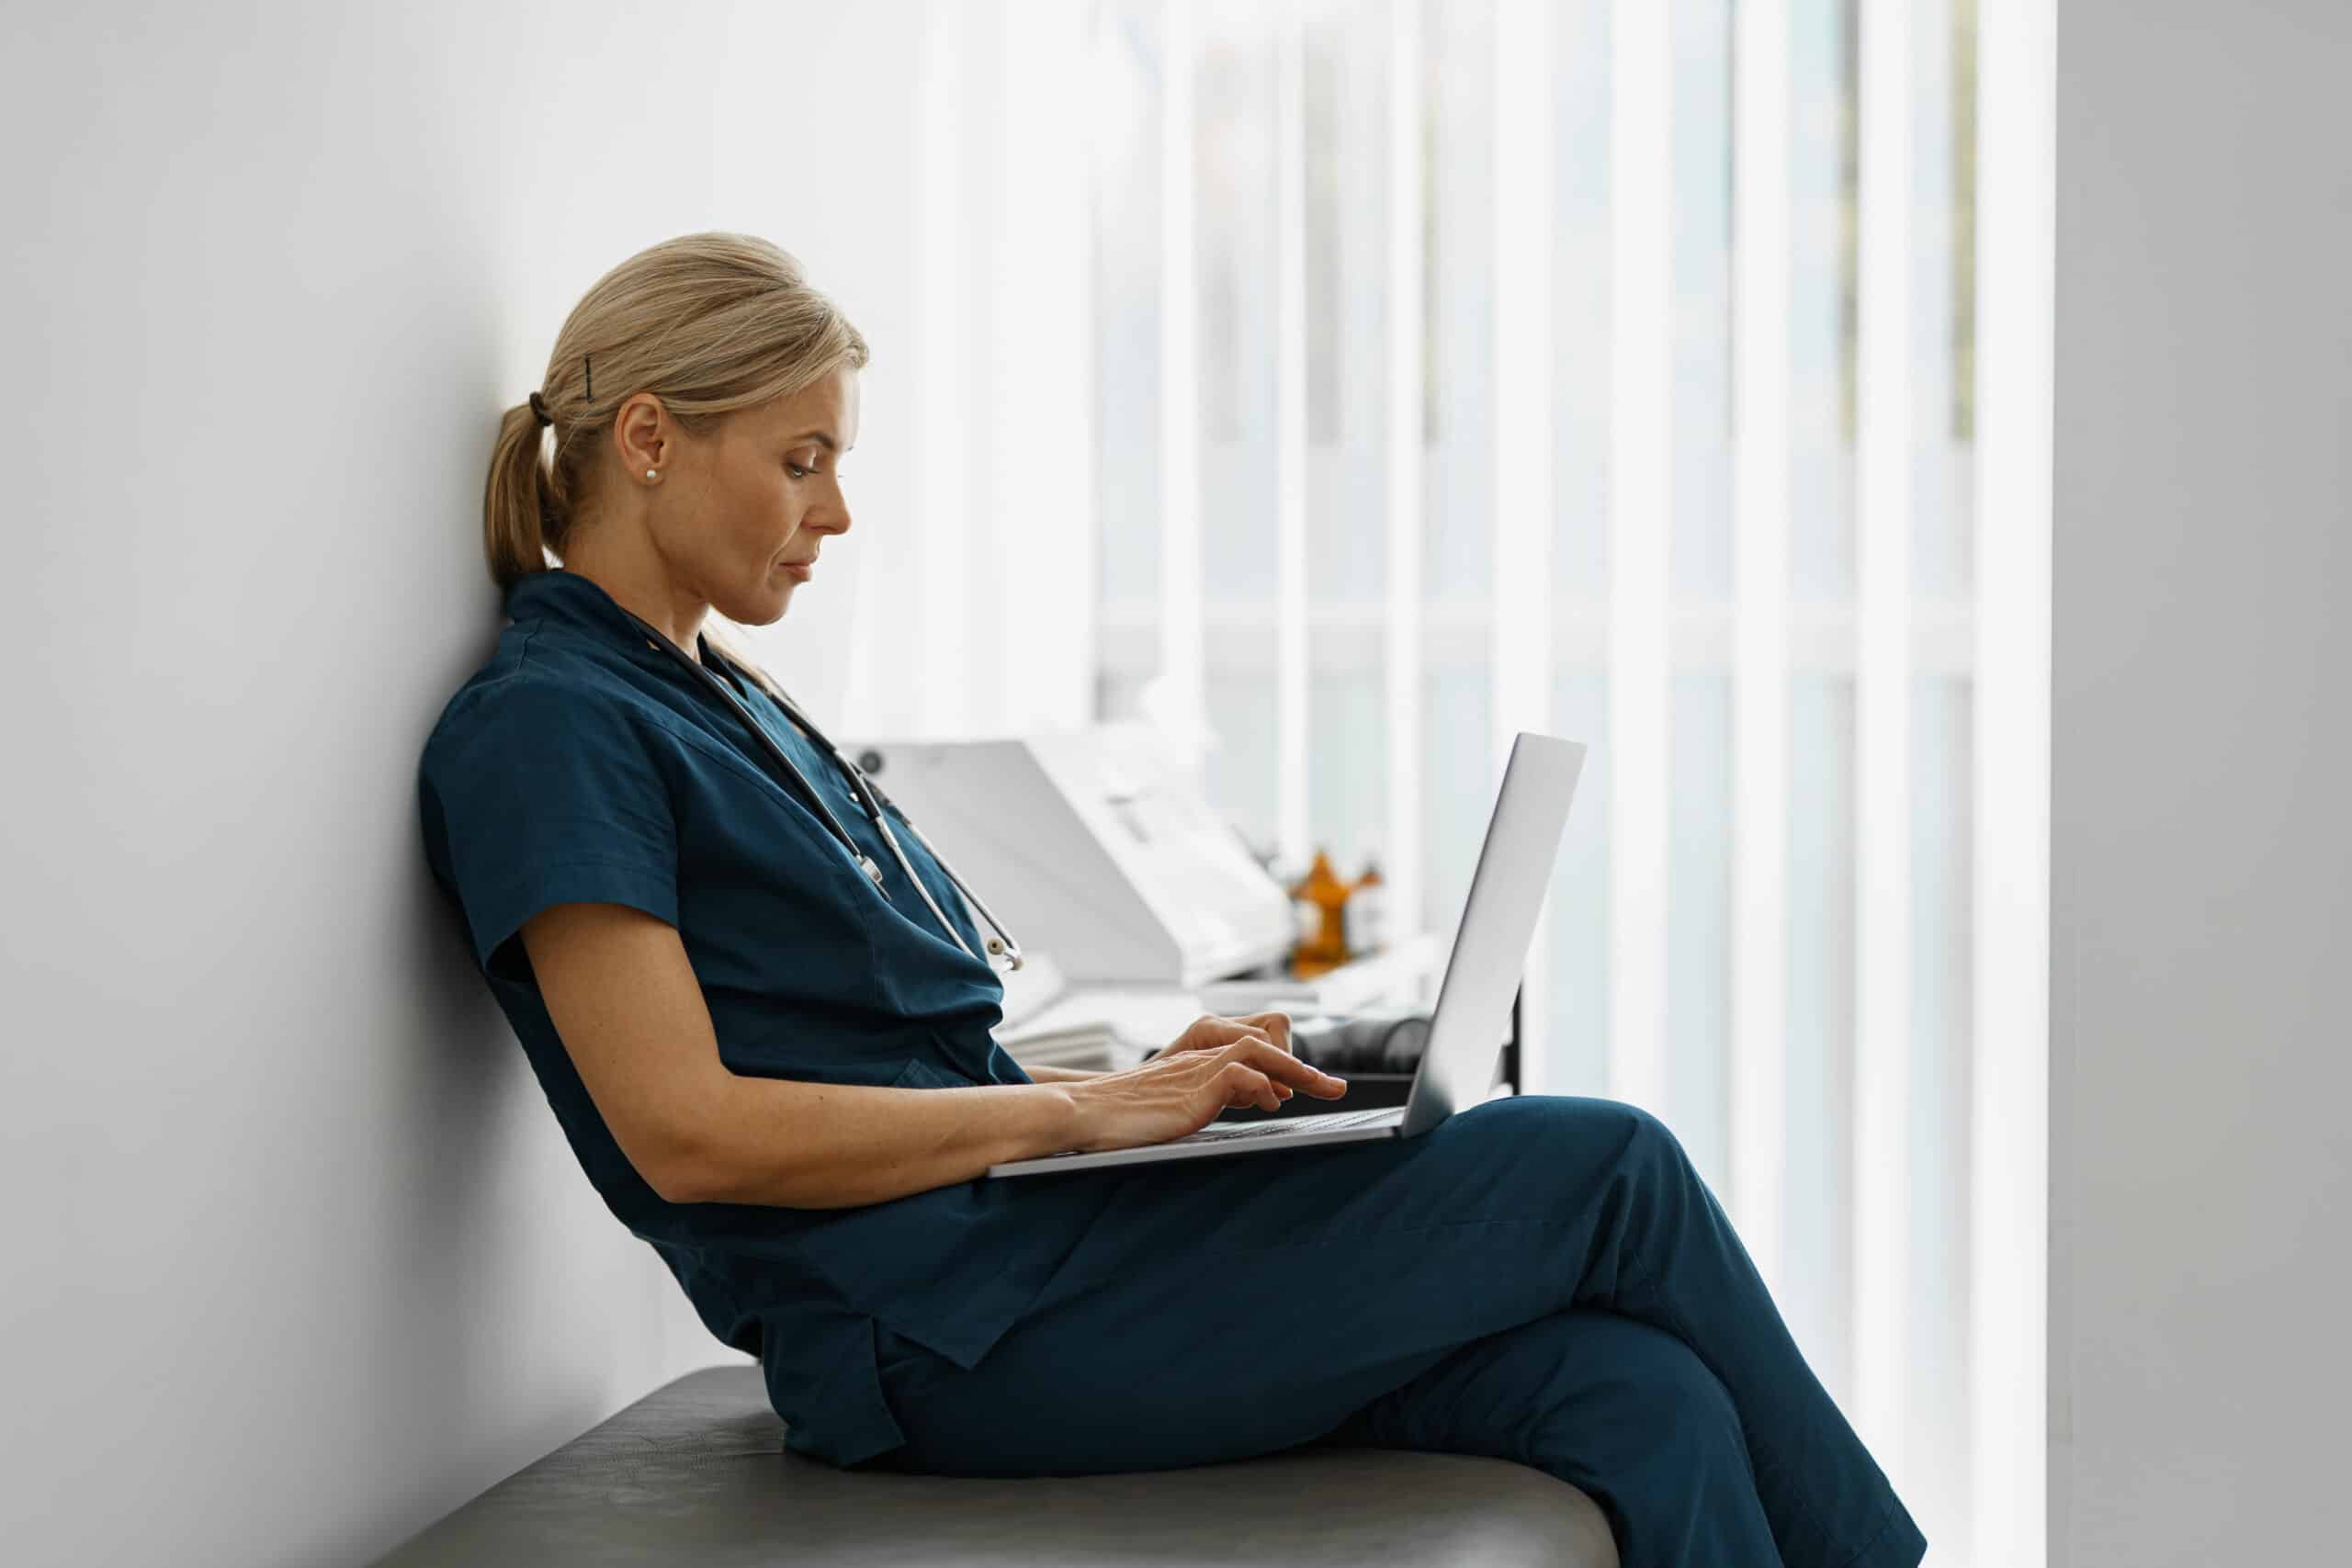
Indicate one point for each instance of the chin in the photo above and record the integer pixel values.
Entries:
(761, 612)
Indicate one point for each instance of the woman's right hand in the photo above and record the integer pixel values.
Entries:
(1217, 1064)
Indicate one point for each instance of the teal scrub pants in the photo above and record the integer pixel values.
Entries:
(1542, 1279)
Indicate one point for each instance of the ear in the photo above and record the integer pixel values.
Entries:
(642, 432)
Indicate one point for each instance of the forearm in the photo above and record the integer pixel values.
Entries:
(1061, 1075)
(797, 1144)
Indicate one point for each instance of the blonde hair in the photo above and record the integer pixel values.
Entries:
(708, 324)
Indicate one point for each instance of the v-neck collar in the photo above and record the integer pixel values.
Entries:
(570, 599)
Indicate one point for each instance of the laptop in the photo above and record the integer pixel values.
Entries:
(1474, 1001)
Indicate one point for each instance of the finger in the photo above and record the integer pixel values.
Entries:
(1209, 1032)
(1280, 1065)
(1246, 1086)
(1276, 1026)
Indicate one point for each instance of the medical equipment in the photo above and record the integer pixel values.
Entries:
(1380, 1039)
(1109, 857)
(869, 795)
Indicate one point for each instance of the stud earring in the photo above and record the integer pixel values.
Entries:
(649, 473)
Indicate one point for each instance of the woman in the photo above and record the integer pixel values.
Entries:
(776, 1066)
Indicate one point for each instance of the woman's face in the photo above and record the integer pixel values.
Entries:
(743, 514)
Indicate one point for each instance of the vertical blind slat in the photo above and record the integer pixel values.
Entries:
(1640, 527)
(1882, 696)
(1290, 440)
(1404, 279)
(1039, 371)
(2010, 1162)
(1524, 511)
(942, 513)
(1180, 403)
(1760, 678)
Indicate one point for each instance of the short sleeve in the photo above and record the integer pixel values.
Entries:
(533, 793)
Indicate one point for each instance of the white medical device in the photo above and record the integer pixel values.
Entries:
(1094, 843)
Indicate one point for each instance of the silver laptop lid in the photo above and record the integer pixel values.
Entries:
(1498, 927)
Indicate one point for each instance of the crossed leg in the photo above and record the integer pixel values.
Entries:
(1545, 1277)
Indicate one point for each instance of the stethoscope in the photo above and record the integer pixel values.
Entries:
(869, 795)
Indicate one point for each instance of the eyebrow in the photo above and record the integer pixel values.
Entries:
(824, 440)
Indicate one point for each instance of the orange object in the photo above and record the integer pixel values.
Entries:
(1327, 948)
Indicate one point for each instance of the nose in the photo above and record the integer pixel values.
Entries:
(832, 518)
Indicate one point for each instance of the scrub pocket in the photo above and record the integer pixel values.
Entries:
(899, 1361)
(920, 1074)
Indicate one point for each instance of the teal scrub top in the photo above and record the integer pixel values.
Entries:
(582, 764)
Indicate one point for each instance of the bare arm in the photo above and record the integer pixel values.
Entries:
(625, 1002)
(1061, 1075)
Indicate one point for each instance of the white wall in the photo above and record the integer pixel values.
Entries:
(296, 1260)
(2201, 853)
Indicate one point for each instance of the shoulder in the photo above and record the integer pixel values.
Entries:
(537, 703)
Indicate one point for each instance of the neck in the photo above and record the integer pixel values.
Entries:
(643, 588)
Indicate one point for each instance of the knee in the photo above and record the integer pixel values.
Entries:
(1695, 1399)
(1662, 1401)
(1640, 1139)
(1691, 1419)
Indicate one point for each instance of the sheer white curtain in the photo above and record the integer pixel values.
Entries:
(1353, 383)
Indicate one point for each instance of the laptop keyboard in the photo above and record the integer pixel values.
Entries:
(1290, 1124)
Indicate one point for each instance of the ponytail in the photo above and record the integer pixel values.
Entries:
(518, 521)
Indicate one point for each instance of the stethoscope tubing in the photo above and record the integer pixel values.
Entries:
(878, 806)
